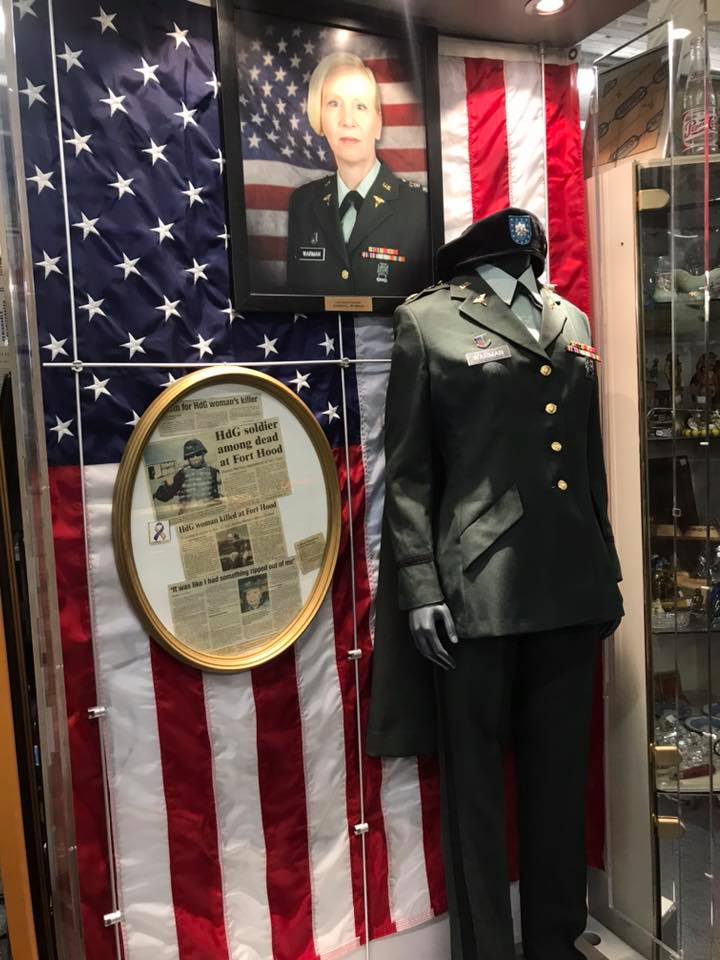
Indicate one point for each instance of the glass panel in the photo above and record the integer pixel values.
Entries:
(678, 243)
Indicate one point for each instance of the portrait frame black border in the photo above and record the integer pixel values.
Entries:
(424, 39)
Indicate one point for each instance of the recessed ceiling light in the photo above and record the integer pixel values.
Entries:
(546, 8)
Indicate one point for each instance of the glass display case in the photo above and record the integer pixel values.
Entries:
(655, 211)
(678, 258)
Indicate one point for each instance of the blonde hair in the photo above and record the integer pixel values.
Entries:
(329, 63)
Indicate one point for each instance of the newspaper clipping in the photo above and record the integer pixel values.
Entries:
(216, 469)
(226, 612)
(240, 461)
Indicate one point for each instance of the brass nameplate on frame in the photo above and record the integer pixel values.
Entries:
(349, 304)
(226, 518)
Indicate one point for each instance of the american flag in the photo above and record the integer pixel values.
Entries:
(281, 151)
(245, 821)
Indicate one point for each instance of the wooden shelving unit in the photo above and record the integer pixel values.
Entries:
(698, 533)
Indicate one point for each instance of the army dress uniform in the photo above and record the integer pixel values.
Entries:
(387, 253)
(496, 504)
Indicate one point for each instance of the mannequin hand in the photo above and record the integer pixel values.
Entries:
(425, 624)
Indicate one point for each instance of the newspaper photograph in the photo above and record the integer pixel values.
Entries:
(234, 466)
(225, 612)
(231, 540)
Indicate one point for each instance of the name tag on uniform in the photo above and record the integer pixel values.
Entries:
(485, 356)
(312, 253)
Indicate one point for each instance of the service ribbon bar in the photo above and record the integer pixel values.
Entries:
(584, 350)
(373, 254)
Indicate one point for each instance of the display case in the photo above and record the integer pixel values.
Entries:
(656, 273)
(678, 241)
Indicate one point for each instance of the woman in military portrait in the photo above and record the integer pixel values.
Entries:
(362, 231)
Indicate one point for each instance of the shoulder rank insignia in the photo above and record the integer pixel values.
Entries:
(426, 291)
(583, 350)
(378, 200)
(327, 198)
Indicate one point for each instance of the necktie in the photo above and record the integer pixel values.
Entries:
(353, 200)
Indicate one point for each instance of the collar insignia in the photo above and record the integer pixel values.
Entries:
(378, 200)
(327, 198)
(482, 299)
(386, 185)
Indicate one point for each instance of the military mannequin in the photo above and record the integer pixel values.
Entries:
(499, 553)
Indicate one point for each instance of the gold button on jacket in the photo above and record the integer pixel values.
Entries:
(562, 485)
(550, 408)
(546, 370)
(556, 446)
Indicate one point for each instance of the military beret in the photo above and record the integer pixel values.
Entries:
(509, 231)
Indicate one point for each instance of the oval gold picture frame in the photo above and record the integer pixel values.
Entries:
(133, 459)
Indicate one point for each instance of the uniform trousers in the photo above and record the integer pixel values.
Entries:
(532, 693)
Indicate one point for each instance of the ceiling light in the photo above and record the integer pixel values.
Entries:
(546, 8)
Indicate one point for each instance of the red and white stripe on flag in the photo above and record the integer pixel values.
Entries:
(234, 799)
(511, 137)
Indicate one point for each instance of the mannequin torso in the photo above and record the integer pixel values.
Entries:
(432, 624)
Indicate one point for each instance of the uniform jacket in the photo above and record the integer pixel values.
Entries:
(387, 253)
(496, 496)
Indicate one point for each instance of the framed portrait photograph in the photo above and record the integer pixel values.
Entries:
(332, 138)
(226, 518)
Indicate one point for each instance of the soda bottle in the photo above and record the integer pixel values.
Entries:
(693, 104)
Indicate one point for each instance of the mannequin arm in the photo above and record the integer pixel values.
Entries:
(426, 624)
(409, 466)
